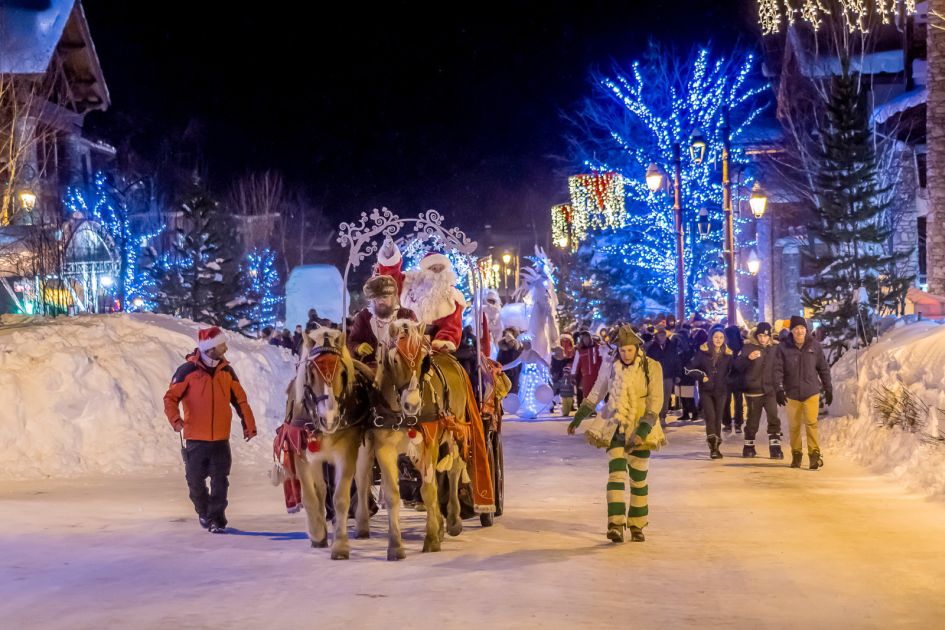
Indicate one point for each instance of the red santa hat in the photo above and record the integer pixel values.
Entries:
(210, 338)
(434, 258)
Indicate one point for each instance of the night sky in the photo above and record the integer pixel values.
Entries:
(454, 106)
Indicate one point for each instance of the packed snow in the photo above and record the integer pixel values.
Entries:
(731, 544)
(910, 356)
(84, 395)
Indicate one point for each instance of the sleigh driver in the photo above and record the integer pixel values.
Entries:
(429, 292)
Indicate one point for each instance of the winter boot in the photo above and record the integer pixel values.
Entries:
(749, 449)
(636, 534)
(816, 461)
(714, 443)
(204, 522)
(738, 429)
(774, 447)
(615, 533)
(216, 528)
(796, 457)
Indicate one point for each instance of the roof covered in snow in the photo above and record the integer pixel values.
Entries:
(31, 33)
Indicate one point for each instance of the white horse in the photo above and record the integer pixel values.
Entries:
(328, 401)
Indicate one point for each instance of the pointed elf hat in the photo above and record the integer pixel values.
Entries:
(210, 338)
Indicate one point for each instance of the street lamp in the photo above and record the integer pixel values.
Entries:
(758, 201)
(753, 263)
(506, 258)
(697, 146)
(28, 199)
(654, 177)
(107, 281)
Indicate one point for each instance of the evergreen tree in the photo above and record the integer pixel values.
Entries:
(850, 236)
(200, 278)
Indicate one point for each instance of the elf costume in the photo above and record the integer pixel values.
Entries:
(628, 428)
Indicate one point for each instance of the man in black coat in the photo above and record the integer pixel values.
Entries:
(756, 364)
(800, 373)
(664, 349)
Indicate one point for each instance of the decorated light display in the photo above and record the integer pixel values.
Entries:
(562, 217)
(654, 115)
(261, 284)
(855, 14)
(416, 248)
(598, 201)
(533, 382)
(106, 207)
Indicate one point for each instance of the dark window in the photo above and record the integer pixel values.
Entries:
(920, 228)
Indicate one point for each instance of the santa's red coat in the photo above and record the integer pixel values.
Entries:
(445, 332)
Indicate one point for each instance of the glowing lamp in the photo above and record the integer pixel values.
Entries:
(754, 263)
(28, 200)
(506, 258)
(107, 281)
(138, 302)
(654, 178)
(758, 201)
(697, 146)
(563, 242)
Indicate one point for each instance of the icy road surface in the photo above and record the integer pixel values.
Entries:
(734, 543)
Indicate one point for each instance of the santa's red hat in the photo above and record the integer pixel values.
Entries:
(210, 338)
(434, 258)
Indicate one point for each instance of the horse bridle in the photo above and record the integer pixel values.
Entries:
(310, 400)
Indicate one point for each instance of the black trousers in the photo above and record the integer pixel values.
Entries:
(712, 408)
(768, 403)
(209, 459)
(739, 416)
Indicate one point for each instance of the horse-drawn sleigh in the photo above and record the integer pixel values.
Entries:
(415, 400)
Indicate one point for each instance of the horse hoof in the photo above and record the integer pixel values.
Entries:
(396, 554)
(455, 530)
(431, 546)
(320, 544)
(362, 535)
(340, 555)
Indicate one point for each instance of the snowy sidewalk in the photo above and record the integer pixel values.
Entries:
(733, 543)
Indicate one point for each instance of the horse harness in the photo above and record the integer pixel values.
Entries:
(327, 361)
(385, 417)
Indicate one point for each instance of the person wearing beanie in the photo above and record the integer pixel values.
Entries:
(628, 428)
(800, 374)
(756, 363)
(207, 385)
(371, 326)
(710, 367)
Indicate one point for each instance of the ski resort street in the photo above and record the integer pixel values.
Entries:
(731, 543)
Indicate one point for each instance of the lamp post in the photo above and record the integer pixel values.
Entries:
(729, 220)
(677, 217)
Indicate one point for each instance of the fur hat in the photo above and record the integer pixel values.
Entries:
(208, 338)
(797, 320)
(380, 286)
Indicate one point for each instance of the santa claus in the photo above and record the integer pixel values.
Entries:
(430, 292)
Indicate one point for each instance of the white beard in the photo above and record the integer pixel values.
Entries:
(431, 296)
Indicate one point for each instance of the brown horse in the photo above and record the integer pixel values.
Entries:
(329, 401)
(412, 385)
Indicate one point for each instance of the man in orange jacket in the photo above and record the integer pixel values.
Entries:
(207, 386)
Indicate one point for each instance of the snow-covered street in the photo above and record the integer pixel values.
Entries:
(735, 543)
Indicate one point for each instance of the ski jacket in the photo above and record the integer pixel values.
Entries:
(207, 394)
(586, 366)
(801, 372)
(758, 374)
(716, 371)
(667, 355)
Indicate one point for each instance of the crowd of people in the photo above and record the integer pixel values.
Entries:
(727, 376)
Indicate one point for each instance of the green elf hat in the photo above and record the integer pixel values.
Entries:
(626, 336)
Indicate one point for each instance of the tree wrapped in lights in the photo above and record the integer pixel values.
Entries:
(105, 205)
(634, 118)
(562, 231)
(416, 248)
(260, 287)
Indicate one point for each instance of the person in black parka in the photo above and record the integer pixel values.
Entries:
(736, 383)
(710, 367)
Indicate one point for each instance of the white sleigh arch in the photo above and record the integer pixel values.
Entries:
(364, 239)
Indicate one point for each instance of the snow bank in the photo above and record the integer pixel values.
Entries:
(915, 355)
(85, 394)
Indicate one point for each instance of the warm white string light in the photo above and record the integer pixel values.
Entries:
(854, 13)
